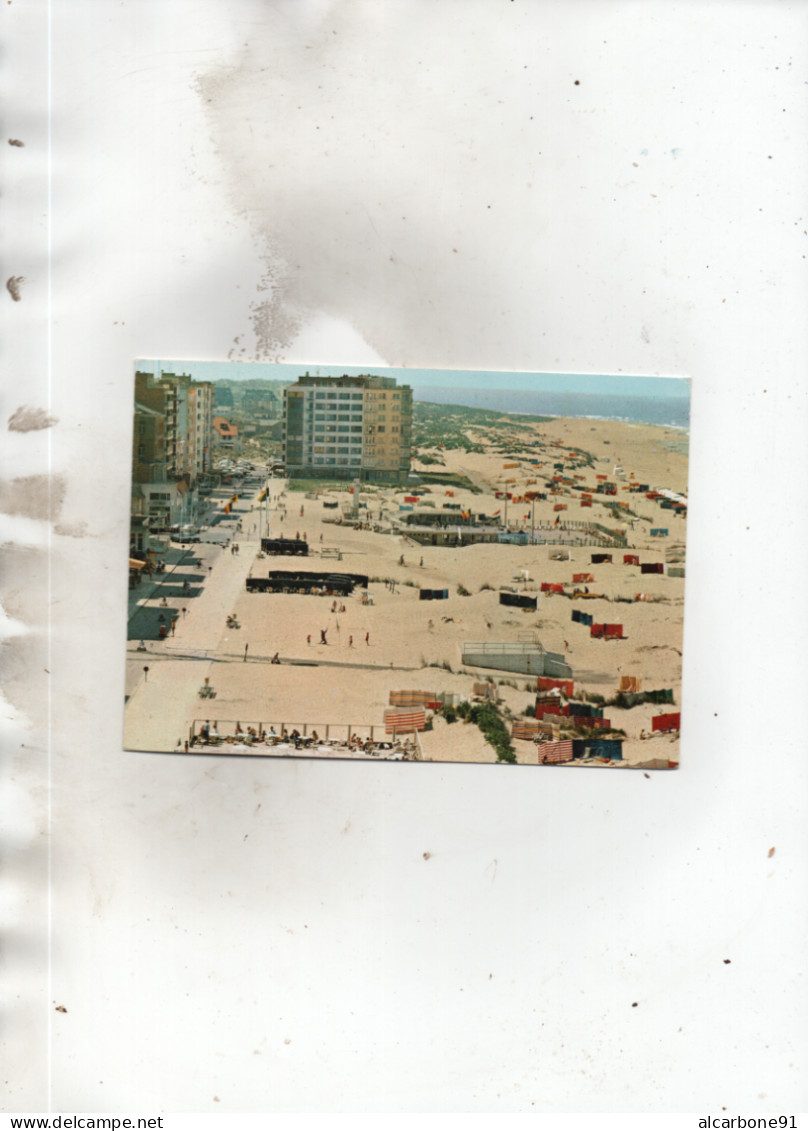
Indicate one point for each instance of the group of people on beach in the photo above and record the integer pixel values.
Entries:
(252, 736)
(324, 635)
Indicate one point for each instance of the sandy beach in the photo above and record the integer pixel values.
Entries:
(401, 642)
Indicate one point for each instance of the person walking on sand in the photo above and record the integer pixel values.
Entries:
(308, 639)
(350, 642)
(367, 638)
(322, 636)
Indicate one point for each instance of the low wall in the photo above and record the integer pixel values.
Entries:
(527, 663)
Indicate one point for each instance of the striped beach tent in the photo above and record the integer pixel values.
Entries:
(404, 722)
(411, 698)
(552, 753)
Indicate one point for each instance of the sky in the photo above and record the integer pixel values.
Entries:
(604, 384)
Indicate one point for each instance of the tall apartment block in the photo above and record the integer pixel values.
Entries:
(348, 428)
(172, 450)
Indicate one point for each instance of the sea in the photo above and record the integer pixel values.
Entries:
(671, 412)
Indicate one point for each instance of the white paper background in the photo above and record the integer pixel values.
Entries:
(269, 933)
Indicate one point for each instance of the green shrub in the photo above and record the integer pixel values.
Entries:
(493, 727)
(488, 719)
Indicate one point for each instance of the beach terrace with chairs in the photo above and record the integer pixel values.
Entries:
(310, 740)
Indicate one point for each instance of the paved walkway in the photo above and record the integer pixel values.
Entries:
(161, 700)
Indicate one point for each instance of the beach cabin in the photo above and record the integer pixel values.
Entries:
(606, 749)
(284, 546)
(552, 707)
(565, 686)
(307, 581)
(585, 710)
(666, 723)
(517, 600)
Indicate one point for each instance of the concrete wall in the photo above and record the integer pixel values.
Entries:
(526, 663)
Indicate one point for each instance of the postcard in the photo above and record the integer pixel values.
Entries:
(410, 565)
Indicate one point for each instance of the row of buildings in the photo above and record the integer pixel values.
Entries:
(353, 428)
(171, 451)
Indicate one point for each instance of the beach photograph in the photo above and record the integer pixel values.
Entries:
(409, 565)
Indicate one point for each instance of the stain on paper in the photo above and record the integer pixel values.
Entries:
(14, 285)
(35, 496)
(348, 223)
(71, 529)
(27, 419)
